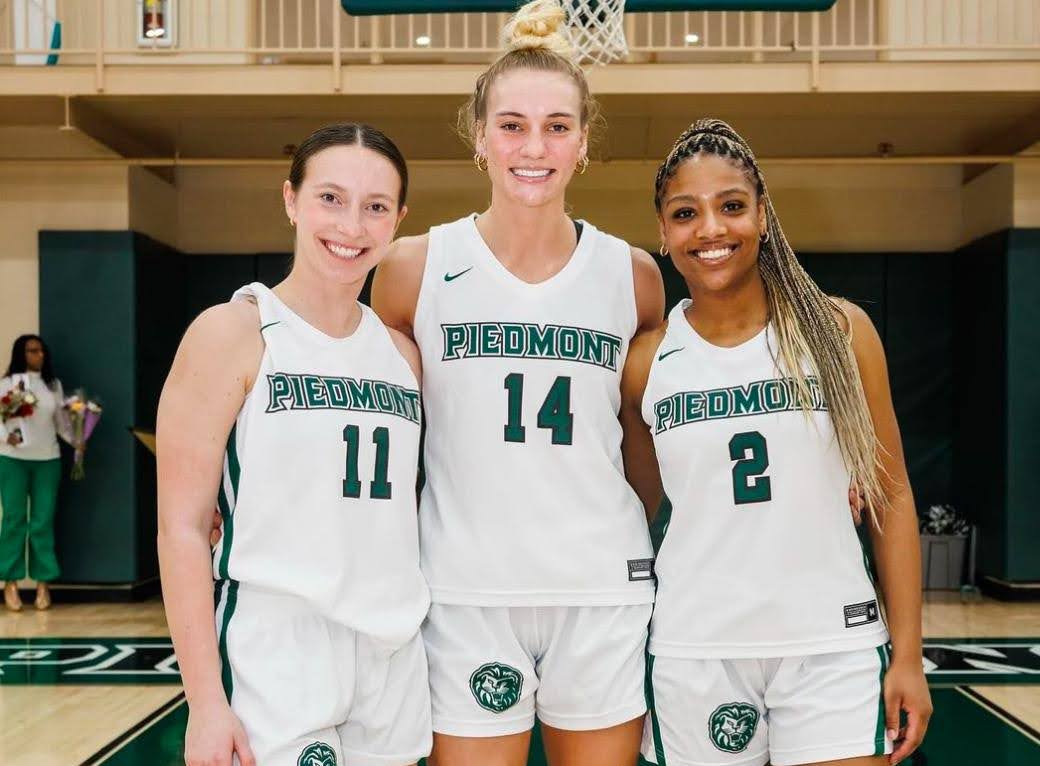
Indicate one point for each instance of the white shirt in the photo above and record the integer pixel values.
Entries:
(39, 430)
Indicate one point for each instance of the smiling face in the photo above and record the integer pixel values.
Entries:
(711, 220)
(346, 212)
(532, 135)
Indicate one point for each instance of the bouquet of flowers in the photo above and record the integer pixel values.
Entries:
(81, 415)
(19, 402)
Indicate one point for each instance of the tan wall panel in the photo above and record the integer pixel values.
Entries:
(1027, 195)
(988, 203)
(822, 208)
(49, 142)
(33, 198)
(238, 210)
(153, 206)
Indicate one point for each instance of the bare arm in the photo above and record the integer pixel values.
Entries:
(395, 286)
(637, 445)
(897, 548)
(649, 289)
(407, 348)
(211, 374)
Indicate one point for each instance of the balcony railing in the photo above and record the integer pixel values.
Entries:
(307, 32)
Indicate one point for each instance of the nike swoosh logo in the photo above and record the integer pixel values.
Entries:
(669, 353)
(269, 324)
(449, 277)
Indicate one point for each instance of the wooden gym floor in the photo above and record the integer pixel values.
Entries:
(114, 698)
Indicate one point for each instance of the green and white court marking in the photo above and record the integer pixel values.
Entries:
(966, 730)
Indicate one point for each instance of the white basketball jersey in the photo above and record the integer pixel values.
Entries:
(318, 495)
(760, 558)
(526, 501)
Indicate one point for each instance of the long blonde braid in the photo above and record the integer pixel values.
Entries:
(802, 315)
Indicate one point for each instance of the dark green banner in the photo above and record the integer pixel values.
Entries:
(389, 7)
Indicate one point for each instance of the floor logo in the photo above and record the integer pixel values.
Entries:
(496, 687)
(317, 754)
(732, 726)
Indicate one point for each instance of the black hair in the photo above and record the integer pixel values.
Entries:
(18, 363)
(349, 134)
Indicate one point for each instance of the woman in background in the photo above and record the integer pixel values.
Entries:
(30, 470)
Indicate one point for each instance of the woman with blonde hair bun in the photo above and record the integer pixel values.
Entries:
(533, 543)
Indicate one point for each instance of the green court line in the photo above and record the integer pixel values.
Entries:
(154, 739)
(42, 661)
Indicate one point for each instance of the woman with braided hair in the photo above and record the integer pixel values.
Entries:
(761, 398)
(534, 545)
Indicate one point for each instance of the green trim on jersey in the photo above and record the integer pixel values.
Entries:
(879, 729)
(232, 471)
(230, 588)
(231, 475)
(655, 725)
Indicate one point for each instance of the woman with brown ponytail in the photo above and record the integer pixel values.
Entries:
(761, 399)
(534, 545)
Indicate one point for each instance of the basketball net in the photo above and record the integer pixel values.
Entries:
(597, 29)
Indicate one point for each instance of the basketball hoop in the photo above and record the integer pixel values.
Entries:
(597, 29)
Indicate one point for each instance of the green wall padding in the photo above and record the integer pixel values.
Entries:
(160, 287)
(87, 317)
(1023, 397)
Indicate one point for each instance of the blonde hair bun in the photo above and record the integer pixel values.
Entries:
(539, 25)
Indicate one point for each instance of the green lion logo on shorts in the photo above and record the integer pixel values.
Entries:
(317, 754)
(732, 726)
(496, 687)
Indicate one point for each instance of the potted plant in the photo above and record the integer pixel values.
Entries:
(945, 536)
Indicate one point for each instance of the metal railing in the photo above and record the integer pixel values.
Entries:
(307, 32)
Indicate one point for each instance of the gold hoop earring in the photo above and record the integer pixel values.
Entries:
(481, 162)
(764, 238)
(583, 165)
(292, 223)
(664, 250)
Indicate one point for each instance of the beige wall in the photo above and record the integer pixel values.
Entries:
(239, 210)
(989, 201)
(34, 198)
(1027, 195)
(958, 22)
(153, 206)
(822, 208)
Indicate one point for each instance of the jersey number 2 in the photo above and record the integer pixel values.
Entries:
(749, 485)
(555, 413)
(379, 488)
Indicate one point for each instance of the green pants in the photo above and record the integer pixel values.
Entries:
(28, 495)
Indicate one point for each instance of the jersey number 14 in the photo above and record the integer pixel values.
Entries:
(555, 413)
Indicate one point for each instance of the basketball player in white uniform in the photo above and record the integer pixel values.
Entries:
(297, 412)
(535, 547)
(767, 642)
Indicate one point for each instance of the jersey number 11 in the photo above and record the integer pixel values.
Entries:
(379, 488)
